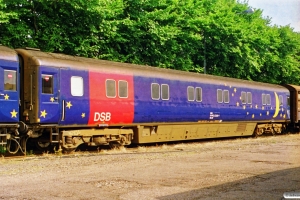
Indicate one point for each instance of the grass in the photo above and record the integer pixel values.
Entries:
(2, 149)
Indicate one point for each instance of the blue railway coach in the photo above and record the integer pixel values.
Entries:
(9, 94)
(57, 99)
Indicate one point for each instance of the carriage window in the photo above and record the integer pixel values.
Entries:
(280, 100)
(10, 80)
(165, 92)
(77, 86)
(155, 90)
(249, 97)
(123, 89)
(47, 84)
(111, 88)
(220, 96)
(263, 96)
(243, 97)
(226, 96)
(191, 93)
(268, 99)
(198, 93)
(223, 95)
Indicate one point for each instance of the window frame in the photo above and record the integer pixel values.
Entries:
(219, 92)
(115, 88)
(200, 89)
(126, 89)
(226, 94)
(268, 99)
(244, 97)
(52, 83)
(75, 88)
(156, 84)
(263, 96)
(15, 85)
(162, 92)
(249, 94)
(188, 93)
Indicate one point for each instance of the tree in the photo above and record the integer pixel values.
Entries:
(185, 35)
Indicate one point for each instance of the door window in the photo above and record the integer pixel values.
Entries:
(77, 86)
(47, 84)
(10, 80)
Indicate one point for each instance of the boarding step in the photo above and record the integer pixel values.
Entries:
(54, 138)
(3, 139)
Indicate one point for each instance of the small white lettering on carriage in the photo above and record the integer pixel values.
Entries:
(103, 116)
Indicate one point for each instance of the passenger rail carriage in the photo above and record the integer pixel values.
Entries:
(62, 100)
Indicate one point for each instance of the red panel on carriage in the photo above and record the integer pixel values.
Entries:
(111, 99)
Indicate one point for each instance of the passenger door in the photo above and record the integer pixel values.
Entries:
(49, 109)
(74, 97)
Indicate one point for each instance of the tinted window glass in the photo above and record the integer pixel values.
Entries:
(249, 97)
(226, 96)
(190, 93)
(268, 99)
(243, 97)
(123, 89)
(263, 96)
(111, 88)
(220, 96)
(155, 91)
(165, 92)
(198, 92)
(47, 84)
(10, 80)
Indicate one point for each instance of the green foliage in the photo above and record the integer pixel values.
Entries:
(5, 16)
(2, 149)
(173, 34)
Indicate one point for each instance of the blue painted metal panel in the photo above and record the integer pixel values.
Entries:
(76, 108)
(49, 108)
(179, 109)
(9, 99)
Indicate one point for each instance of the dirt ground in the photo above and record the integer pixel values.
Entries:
(248, 168)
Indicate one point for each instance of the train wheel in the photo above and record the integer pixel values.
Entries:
(43, 146)
(69, 150)
(114, 145)
(118, 144)
(272, 132)
(258, 132)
